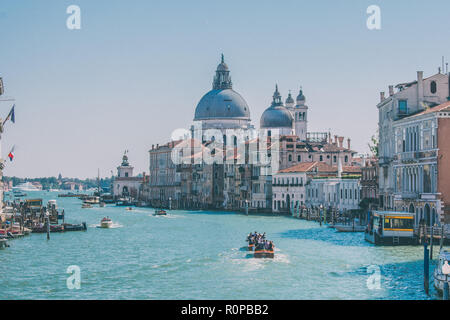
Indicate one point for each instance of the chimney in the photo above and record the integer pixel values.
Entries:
(341, 142)
(420, 89)
(335, 140)
(391, 90)
(339, 166)
(382, 97)
(348, 143)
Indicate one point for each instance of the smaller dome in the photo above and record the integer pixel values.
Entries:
(276, 116)
(289, 99)
(222, 67)
(301, 97)
(125, 160)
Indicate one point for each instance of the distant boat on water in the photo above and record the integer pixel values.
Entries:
(26, 186)
(106, 223)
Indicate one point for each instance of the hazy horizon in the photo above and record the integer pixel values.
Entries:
(136, 71)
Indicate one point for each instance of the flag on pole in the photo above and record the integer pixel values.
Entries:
(11, 154)
(11, 115)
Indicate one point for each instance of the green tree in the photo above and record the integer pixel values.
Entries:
(373, 144)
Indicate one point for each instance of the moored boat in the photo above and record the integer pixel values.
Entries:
(442, 271)
(42, 228)
(75, 227)
(3, 243)
(390, 228)
(92, 199)
(349, 228)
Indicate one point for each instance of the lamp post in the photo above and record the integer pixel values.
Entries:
(170, 203)
(246, 207)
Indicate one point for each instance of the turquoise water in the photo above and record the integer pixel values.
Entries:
(198, 255)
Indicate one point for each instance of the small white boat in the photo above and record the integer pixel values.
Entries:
(106, 222)
(443, 266)
(86, 205)
(92, 200)
(160, 212)
(349, 228)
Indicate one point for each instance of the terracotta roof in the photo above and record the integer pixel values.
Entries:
(321, 168)
(442, 107)
(301, 167)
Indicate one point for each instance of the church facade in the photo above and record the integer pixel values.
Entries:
(126, 185)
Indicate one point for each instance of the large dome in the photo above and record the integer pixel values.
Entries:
(276, 116)
(222, 104)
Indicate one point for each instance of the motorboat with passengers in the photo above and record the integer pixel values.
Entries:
(261, 247)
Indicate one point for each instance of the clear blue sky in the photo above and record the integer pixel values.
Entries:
(137, 69)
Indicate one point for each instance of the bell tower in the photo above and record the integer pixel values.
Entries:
(125, 170)
(301, 116)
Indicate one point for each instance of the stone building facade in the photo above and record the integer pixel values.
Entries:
(410, 98)
(312, 184)
(420, 164)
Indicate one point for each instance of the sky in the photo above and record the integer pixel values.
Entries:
(136, 70)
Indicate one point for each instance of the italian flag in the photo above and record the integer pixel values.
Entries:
(11, 154)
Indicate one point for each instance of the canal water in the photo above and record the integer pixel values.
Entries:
(199, 255)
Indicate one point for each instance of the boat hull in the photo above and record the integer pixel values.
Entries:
(106, 224)
(264, 254)
(58, 228)
(75, 227)
(349, 228)
(389, 241)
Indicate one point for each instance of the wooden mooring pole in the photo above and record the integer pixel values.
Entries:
(426, 267)
(445, 289)
(431, 242)
(48, 227)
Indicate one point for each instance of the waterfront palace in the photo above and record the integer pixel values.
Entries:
(414, 149)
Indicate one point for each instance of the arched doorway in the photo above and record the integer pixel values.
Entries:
(125, 191)
(427, 214)
(411, 208)
(288, 203)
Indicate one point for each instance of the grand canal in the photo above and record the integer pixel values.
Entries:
(197, 255)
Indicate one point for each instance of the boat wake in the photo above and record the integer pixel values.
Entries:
(113, 226)
(167, 216)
